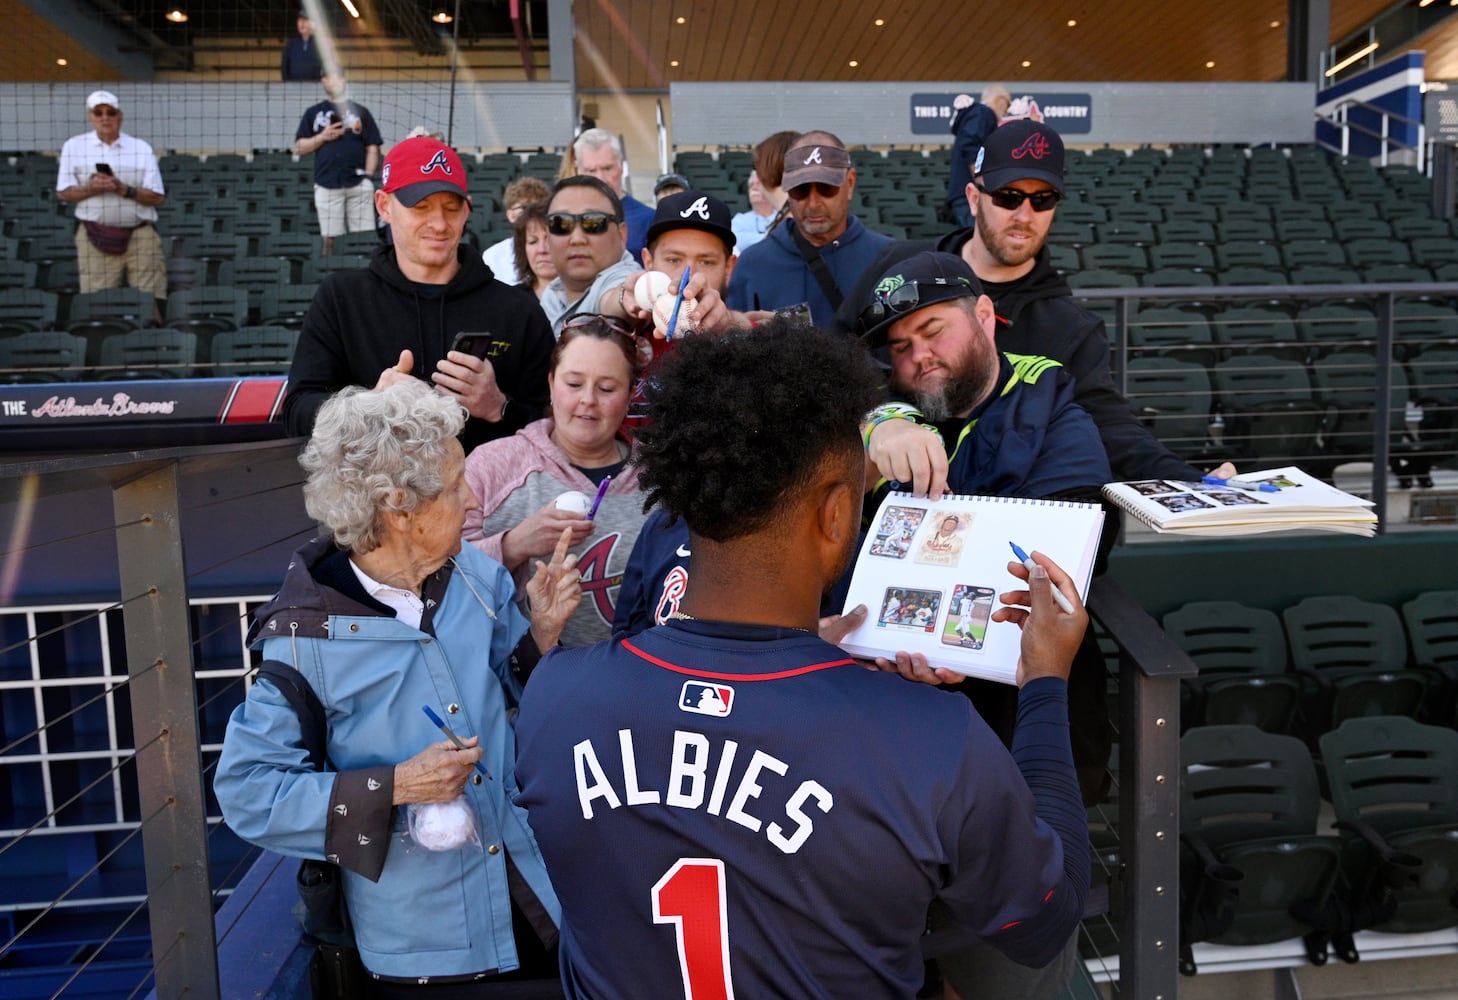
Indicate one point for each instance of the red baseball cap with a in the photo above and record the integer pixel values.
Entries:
(422, 166)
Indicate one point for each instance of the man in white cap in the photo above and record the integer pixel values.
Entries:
(113, 180)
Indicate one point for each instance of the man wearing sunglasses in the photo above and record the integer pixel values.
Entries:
(399, 318)
(819, 253)
(113, 180)
(588, 240)
(1017, 184)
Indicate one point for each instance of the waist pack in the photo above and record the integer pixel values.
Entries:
(335, 971)
(108, 239)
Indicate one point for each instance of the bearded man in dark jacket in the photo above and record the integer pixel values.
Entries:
(1017, 181)
(398, 318)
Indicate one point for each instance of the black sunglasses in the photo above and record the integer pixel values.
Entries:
(593, 223)
(904, 299)
(802, 191)
(105, 112)
(1011, 198)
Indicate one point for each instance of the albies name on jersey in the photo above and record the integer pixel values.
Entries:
(700, 778)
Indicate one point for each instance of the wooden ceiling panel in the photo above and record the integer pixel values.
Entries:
(1143, 40)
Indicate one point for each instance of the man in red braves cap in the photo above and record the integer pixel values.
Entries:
(399, 317)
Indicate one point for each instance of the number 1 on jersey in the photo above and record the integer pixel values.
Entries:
(690, 895)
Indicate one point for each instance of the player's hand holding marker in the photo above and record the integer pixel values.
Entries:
(1051, 635)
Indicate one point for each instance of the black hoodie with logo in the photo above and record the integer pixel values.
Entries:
(360, 321)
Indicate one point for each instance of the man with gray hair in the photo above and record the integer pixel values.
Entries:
(599, 154)
(971, 125)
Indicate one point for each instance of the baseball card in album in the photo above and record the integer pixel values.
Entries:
(930, 572)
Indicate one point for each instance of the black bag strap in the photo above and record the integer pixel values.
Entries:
(818, 268)
(313, 725)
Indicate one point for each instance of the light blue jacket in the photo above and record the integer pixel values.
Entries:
(415, 912)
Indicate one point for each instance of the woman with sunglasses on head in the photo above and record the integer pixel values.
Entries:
(572, 470)
(533, 255)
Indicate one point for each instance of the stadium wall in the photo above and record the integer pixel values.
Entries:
(882, 113)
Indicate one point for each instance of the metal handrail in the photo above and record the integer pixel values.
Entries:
(1337, 118)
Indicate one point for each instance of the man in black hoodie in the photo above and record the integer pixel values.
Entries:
(1017, 182)
(398, 318)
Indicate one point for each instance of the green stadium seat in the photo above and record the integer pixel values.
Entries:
(42, 356)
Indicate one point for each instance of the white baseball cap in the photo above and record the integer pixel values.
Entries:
(99, 97)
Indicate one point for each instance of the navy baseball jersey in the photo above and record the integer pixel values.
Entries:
(733, 810)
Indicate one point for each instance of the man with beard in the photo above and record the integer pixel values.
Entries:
(1017, 183)
(998, 424)
(1004, 424)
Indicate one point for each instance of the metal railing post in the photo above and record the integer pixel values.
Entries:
(1382, 418)
(164, 715)
(1150, 669)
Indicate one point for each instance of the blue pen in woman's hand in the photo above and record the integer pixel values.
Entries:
(440, 724)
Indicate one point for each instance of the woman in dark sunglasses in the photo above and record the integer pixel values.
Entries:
(573, 470)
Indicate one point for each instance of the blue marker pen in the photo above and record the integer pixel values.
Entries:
(673, 319)
(1245, 484)
(1027, 560)
(440, 724)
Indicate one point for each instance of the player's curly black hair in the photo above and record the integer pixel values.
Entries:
(737, 423)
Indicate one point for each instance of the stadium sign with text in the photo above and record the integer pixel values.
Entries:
(1070, 114)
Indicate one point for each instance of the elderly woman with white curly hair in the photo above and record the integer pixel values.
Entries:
(383, 617)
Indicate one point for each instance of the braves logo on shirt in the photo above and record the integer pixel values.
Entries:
(674, 584)
(597, 582)
(706, 699)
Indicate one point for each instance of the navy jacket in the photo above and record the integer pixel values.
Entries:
(971, 126)
(772, 274)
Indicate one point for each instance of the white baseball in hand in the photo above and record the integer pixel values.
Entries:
(651, 284)
(663, 311)
(572, 500)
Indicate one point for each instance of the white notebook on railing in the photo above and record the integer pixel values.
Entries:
(930, 572)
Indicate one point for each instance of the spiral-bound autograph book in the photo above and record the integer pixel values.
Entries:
(1284, 499)
(930, 571)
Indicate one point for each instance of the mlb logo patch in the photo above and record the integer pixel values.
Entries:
(706, 699)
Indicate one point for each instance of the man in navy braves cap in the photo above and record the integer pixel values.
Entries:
(399, 318)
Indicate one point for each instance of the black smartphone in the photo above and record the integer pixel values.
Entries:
(472, 343)
(104, 168)
(800, 312)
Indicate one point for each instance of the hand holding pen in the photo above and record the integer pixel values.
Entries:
(1050, 638)
(450, 735)
(1059, 597)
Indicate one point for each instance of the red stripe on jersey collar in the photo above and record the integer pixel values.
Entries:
(713, 675)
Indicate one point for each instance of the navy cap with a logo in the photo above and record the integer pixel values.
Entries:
(692, 210)
(919, 281)
(1017, 150)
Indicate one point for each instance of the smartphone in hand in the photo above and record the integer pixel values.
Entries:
(476, 344)
(104, 168)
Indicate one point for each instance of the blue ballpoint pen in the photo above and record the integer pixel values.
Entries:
(673, 319)
(1027, 561)
(440, 724)
(1244, 484)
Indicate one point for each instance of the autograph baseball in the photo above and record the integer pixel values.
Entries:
(650, 286)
